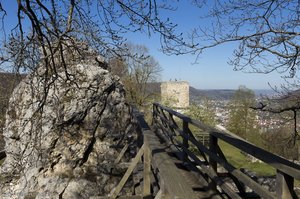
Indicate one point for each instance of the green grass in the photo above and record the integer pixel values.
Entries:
(239, 160)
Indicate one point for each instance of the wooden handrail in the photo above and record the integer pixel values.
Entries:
(185, 118)
(171, 180)
(287, 171)
(215, 158)
(276, 161)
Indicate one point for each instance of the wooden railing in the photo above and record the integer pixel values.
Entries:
(159, 169)
(175, 128)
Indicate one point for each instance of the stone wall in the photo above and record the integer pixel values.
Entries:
(175, 94)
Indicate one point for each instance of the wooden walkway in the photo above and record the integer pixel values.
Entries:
(190, 176)
(172, 164)
(175, 178)
(174, 129)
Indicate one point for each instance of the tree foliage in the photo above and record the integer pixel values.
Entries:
(278, 141)
(266, 35)
(242, 119)
(284, 107)
(203, 112)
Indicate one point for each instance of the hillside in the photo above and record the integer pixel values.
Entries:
(215, 94)
(220, 94)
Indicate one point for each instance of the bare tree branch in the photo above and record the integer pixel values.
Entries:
(267, 32)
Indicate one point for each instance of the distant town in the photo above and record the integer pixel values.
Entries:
(265, 120)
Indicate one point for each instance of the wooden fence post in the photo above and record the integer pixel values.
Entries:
(147, 172)
(115, 192)
(154, 114)
(171, 128)
(121, 154)
(284, 185)
(213, 143)
(185, 142)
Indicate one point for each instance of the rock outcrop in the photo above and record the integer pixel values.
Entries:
(64, 132)
(8, 81)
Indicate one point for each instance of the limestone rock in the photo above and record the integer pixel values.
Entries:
(59, 137)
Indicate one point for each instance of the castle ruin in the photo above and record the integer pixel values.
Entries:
(175, 93)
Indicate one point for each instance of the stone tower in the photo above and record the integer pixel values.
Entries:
(175, 93)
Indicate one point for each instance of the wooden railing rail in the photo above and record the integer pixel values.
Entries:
(157, 165)
(171, 183)
(170, 122)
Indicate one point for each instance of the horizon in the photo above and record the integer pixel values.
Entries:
(211, 70)
(190, 85)
(208, 71)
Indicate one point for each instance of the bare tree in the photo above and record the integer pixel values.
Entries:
(241, 119)
(51, 35)
(56, 25)
(286, 106)
(266, 31)
(118, 67)
(142, 70)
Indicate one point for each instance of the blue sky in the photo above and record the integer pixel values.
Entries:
(211, 71)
